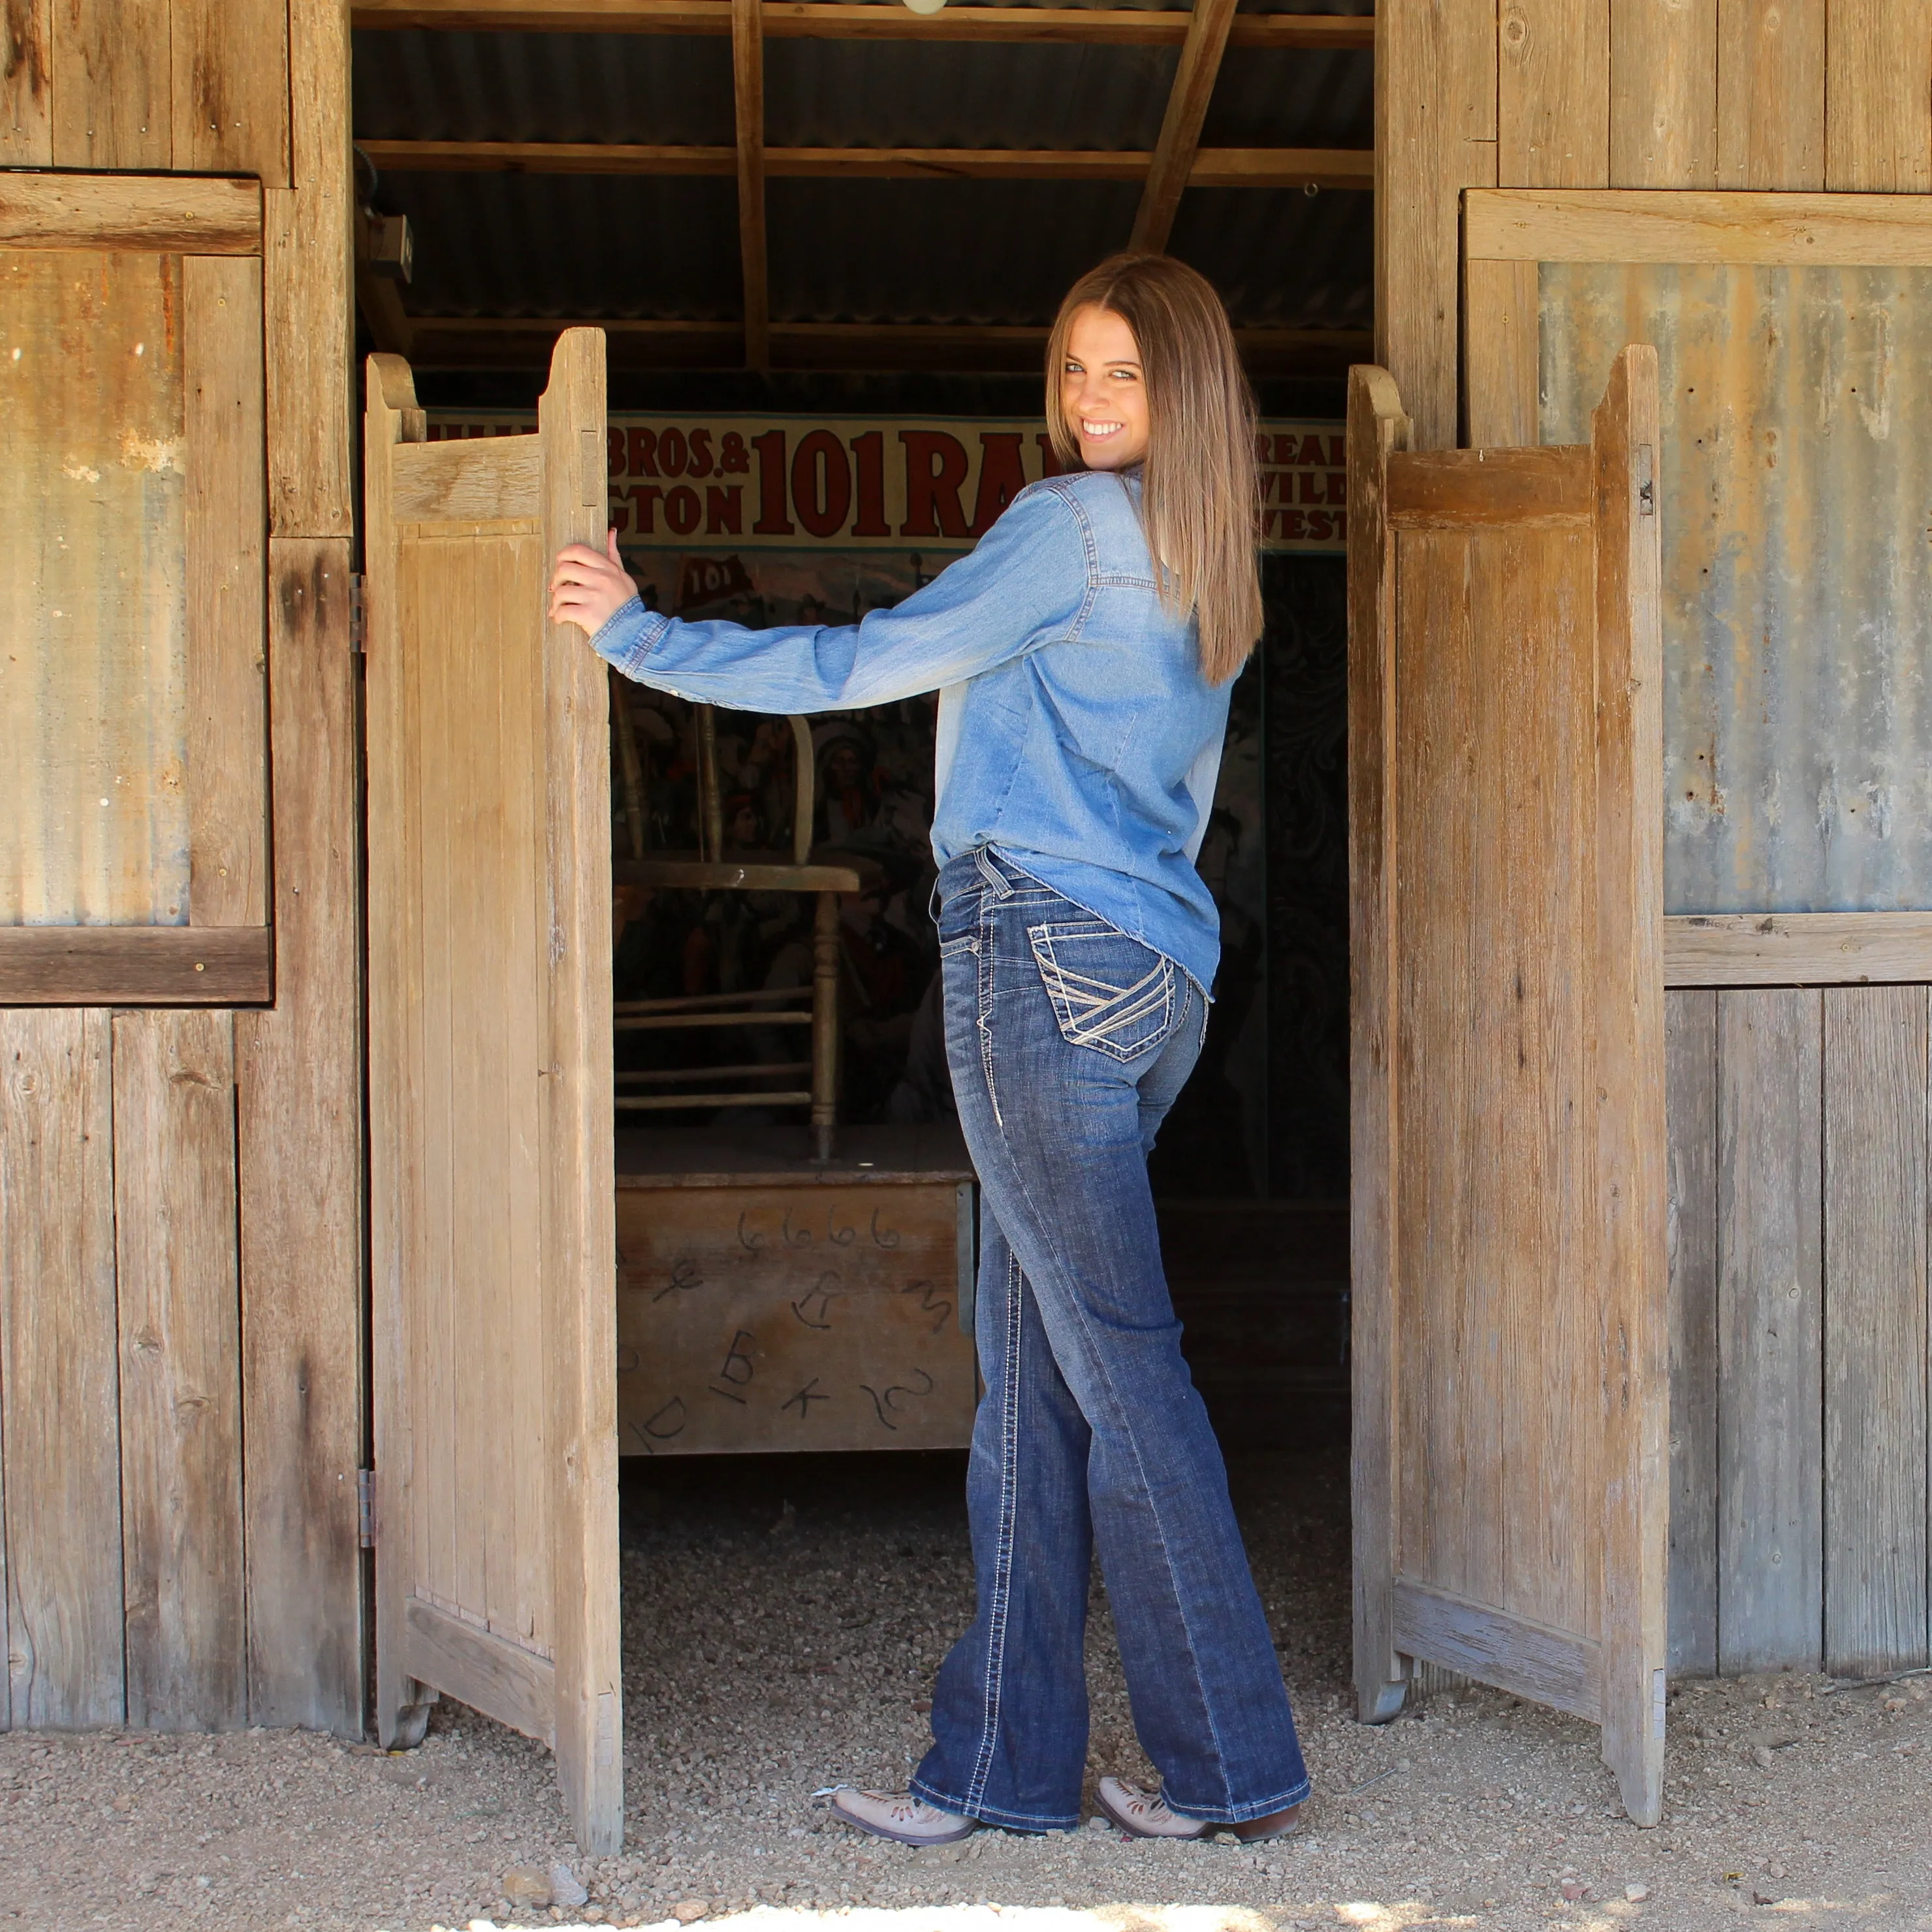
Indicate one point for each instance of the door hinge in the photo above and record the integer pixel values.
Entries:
(358, 612)
(365, 1508)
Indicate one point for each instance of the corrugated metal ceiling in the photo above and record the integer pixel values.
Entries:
(899, 251)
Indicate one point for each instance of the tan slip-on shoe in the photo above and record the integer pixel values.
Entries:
(900, 1817)
(1142, 1813)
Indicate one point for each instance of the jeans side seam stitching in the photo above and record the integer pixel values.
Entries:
(996, 1621)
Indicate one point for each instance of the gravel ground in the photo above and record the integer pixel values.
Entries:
(783, 1618)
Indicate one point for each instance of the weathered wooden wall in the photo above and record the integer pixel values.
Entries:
(181, 1411)
(1831, 94)
(1798, 1157)
(1798, 1202)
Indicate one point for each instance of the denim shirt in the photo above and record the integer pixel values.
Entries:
(1076, 732)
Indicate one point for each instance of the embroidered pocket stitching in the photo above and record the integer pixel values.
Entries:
(1090, 1011)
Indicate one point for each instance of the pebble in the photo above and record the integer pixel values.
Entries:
(526, 1885)
(565, 1890)
(1636, 1893)
(689, 1911)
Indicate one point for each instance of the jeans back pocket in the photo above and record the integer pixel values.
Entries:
(1109, 991)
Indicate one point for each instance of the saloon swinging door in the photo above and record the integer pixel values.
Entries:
(493, 1215)
(1510, 1271)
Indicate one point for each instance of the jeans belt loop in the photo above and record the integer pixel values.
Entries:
(1002, 885)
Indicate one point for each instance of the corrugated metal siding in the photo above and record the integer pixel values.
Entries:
(1282, 259)
(882, 94)
(937, 251)
(1292, 97)
(633, 87)
(572, 245)
(962, 252)
(1796, 501)
(93, 598)
(420, 86)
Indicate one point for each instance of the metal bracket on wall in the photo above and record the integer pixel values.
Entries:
(365, 1508)
(358, 617)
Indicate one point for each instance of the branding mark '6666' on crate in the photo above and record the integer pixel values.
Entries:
(682, 482)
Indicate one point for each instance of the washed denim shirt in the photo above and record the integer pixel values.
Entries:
(1076, 733)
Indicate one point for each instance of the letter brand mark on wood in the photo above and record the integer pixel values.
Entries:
(731, 483)
(761, 1316)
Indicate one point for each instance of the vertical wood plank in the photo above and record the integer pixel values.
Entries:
(1875, 1336)
(181, 1435)
(1631, 1153)
(227, 535)
(111, 84)
(307, 246)
(1500, 350)
(1691, 1102)
(1663, 93)
(1553, 94)
(747, 90)
(1878, 96)
(394, 1055)
(230, 93)
(1435, 113)
(579, 1185)
(58, 1366)
(1376, 428)
(26, 101)
(298, 1088)
(1770, 1438)
(1771, 94)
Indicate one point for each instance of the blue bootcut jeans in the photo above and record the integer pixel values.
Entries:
(1068, 1042)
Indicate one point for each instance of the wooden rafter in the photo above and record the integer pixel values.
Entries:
(1213, 167)
(1174, 153)
(379, 301)
(509, 342)
(748, 95)
(825, 19)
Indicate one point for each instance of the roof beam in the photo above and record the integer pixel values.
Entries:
(1174, 153)
(469, 342)
(748, 97)
(826, 19)
(1213, 167)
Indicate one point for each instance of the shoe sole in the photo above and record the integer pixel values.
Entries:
(967, 1826)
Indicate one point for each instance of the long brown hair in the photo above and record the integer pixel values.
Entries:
(1201, 496)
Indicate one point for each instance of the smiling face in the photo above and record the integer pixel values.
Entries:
(1103, 389)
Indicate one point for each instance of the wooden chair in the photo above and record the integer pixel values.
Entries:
(816, 1006)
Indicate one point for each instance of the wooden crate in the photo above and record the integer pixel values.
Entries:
(794, 1311)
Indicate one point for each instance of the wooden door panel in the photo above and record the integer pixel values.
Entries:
(1509, 1263)
(491, 1138)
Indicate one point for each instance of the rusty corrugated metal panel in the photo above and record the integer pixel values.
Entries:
(93, 592)
(1797, 500)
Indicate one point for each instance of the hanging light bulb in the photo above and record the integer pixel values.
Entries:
(926, 6)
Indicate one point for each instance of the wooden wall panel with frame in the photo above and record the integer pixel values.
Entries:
(136, 708)
(206, 88)
(1798, 1163)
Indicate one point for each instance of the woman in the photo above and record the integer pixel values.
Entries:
(1084, 700)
